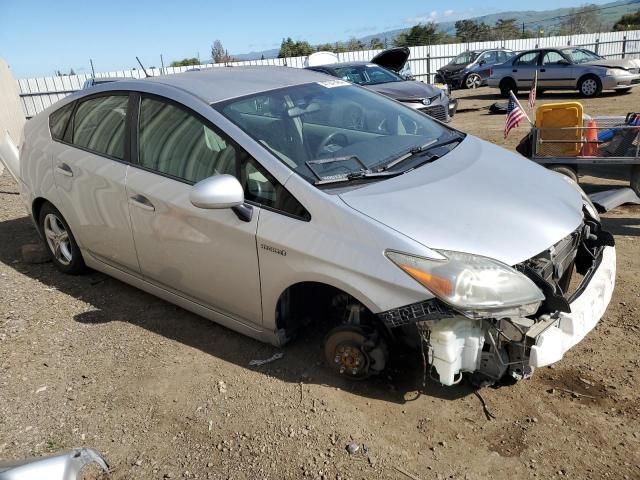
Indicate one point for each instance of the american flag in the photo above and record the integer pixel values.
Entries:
(532, 93)
(515, 115)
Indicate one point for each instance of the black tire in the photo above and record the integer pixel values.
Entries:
(590, 86)
(635, 179)
(566, 170)
(506, 85)
(59, 241)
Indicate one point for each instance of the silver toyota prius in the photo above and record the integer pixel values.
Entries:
(246, 196)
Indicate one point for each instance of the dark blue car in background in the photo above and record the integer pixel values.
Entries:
(471, 69)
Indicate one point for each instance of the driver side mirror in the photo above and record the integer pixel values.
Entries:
(220, 192)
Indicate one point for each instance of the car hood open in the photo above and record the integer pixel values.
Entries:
(407, 90)
(393, 59)
(479, 199)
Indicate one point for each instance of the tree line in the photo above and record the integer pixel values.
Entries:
(580, 20)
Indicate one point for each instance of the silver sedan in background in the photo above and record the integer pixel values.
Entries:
(242, 194)
(565, 69)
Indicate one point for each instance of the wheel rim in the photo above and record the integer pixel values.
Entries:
(349, 359)
(57, 239)
(473, 81)
(589, 87)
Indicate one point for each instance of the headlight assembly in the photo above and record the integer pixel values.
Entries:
(478, 287)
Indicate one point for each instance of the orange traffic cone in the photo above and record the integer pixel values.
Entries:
(590, 147)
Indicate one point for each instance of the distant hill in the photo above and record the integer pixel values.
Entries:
(547, 20)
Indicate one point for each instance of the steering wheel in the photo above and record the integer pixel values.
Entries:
(332, 139)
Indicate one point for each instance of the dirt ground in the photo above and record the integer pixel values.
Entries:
(163, 393)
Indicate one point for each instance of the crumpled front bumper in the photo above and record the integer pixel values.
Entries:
(556, 336)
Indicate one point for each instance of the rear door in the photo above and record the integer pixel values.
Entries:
(524, 69)
(90, 162)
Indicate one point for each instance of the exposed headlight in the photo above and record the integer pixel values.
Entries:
(478, 287)
(615, 72)
(586, 201)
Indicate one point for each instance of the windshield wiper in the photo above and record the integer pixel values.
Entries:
(358, 175)
(419, 150)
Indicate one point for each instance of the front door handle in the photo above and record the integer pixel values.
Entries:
(65, 170)
(543, 69)
(514, 70)
(142, 202)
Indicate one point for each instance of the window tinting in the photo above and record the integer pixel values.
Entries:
(175, 142)
(58, 121)
(99, 125)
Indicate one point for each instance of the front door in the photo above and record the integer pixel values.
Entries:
(524, 69)
(555, 71)
(90, 169)
(207, 256)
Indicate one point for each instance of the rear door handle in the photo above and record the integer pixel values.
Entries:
(65, 170)
(142, 202)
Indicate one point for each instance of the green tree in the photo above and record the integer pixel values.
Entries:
(421, 34)
(354, 44)
(289, 48)
(506, 29)
(581, 20)
(375, 43)
(185, 62)
(324, 47)
(470, 31)
(630, 21)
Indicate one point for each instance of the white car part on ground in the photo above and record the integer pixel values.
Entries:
(63, 466)
(9, 156)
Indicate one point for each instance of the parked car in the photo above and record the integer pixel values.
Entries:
(92, 82)
(568, 68)
(471, 69)
(386, 74)
(241, 195)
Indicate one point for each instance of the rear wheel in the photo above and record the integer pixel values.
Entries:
(508, 85)
(566, 170)
(473, 80)
(60, 242)
(590, 86)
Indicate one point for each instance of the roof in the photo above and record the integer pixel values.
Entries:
(343, 64)
(222, 83)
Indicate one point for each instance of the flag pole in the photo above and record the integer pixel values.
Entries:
(515, 99)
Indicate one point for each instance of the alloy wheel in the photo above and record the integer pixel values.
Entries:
(589, 87)
(472, 81)
(58, 239)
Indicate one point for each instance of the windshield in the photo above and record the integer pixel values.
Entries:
(331, 129)
(367, 74)
(580, 55)
(464, 58)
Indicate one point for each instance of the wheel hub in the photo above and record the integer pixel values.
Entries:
(350, 359)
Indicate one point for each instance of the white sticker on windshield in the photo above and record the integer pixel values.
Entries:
(333, 83)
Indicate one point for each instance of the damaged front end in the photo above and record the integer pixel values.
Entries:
(551, 302)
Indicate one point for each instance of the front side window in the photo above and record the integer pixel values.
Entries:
(464, 58)
(328, 130)
(58, 121)
(553, 58)
(530, 58)
(489, 58)
(99, 125)
(176, 142)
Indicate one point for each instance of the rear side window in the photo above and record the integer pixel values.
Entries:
(99, 125)
(58, 121)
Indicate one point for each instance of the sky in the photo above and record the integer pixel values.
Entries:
(38, 37)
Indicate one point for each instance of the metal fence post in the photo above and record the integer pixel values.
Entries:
(597, 47)
(624, 45)
(428, 66)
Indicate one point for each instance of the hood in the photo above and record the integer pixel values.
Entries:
(393, 59)
(628, 63)
(451, 68)
(479, 199)
(408, 90)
